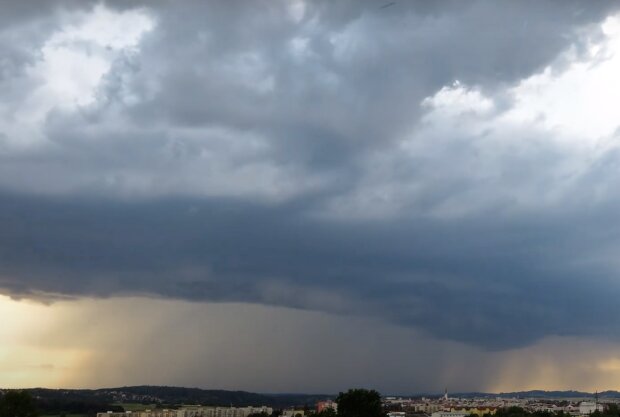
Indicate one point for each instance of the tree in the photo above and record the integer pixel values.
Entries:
(326, 412)
(17, 404)
(612, 409)
(360, 403)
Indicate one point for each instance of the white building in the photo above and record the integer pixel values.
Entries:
(292, 413)
(449, 414)
(194, 411)
(587, 407)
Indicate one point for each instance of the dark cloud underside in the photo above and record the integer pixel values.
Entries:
(280, 154)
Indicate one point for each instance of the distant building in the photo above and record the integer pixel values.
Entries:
(293, 413)
(427, 408)
(479, 411)
(322, 405)
(449, 414)
(587, 407)
(194, 411)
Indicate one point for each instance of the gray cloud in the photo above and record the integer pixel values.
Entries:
(253, 154)
(485, 281)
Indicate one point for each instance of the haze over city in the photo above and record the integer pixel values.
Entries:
(310, 195)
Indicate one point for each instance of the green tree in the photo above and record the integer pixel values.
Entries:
(612, 409)
(17, 404)
(360, 403)
(327, 412)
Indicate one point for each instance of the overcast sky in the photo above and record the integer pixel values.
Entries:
(310, 195)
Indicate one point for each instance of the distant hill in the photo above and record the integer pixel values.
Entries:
(86, 401)
(532, 394)
(180, 395)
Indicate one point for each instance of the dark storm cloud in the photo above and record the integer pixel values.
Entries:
(484, 281)
(360, 71)
(250, 152)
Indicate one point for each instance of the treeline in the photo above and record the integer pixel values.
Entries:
(181, 395)
(21, 403)
(62, 407)
(165, 396)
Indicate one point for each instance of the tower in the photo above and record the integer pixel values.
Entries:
(596, 400)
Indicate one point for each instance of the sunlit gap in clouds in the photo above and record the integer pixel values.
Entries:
(27, 358)
(72, 65)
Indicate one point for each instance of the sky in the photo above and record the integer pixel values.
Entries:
(307, 196)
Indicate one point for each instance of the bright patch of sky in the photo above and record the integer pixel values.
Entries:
(72, 63)
(475, 143)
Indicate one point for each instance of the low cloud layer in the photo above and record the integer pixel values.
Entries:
(448, 167)
(233, 346)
